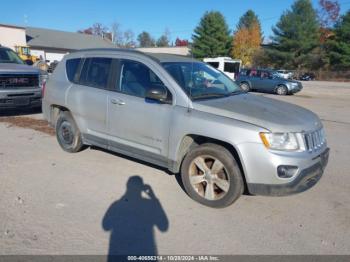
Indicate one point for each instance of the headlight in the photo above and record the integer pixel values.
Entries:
(283, 141)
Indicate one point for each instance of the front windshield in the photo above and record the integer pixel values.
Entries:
(201, 81)
(8, 56)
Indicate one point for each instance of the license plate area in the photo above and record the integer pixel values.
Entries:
(23, 101)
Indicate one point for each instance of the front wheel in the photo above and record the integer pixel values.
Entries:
(68, 134)
(211, 176)
(282, 90)
(245, 87)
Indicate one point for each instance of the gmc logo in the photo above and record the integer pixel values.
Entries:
(18, 81)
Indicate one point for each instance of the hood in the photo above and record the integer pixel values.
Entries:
(271, 114)
(6, 68)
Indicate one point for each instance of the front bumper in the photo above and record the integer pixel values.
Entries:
(20, 98)
(295, 89)
(305, 179)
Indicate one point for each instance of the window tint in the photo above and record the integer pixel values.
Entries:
(214, 64)
(95, 72)
(72, 67)
(136, 78)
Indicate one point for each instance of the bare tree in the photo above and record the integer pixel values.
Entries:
(117, 34)
(129, 39)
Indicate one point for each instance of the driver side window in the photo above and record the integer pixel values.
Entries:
(136, 79)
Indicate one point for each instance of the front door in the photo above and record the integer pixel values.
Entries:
(137, 126)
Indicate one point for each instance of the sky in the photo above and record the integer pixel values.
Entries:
(180, 17)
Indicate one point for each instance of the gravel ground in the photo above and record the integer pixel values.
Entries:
(52, 202)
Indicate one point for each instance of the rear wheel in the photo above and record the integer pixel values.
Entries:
(245, 87)
(68, 134)
(282, 90)
(211, 176)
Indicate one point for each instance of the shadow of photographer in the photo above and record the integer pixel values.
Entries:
(131, 221)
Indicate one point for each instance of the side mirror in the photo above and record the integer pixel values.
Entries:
(158, 93)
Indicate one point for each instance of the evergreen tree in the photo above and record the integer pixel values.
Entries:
(211, 37)
(145, 40)
(296, 36)
(249, 20)
(340, 44)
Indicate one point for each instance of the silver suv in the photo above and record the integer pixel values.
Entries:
(184, 115)
(20, 84)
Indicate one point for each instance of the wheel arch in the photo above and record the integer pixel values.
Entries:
(54, 113)
(190, 141)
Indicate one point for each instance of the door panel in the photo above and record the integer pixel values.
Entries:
(89, 107)
(88, 98)
(134, 122)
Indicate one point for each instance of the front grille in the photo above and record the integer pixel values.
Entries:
(315, 140)
(14, 81)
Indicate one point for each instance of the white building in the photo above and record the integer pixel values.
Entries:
(12, 36)
(49, 44)
(52, 45)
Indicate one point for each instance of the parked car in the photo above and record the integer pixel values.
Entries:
(267, 81)
(285, 74)
(20, 84)
(184, 115)
(307, 77)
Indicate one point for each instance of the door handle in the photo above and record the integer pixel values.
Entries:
(117, 102)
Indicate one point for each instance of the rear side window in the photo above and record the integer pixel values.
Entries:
(72, 67)
(95, 72)
(231, 67)
(214, 64)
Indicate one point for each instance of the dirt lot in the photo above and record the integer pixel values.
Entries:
(52, 202)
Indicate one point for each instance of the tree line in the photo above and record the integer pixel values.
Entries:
(126, 39)
(304, 38)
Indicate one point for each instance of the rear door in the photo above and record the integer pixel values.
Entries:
(88, 97)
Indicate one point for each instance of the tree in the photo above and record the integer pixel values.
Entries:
(247, 39)
(296, 36)
(129, 41)
(340, 44)
(329, 12)
(117, 34)
(211, 37)
(145, 39)
(246, 42)
(97, 29)
(248, 20)
(164, 39)
(181, 42)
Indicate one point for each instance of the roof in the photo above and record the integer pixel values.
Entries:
(40, 37)
(12, 26)
(164, 58)
(159, 57)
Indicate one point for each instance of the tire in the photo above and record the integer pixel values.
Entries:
(68, 134)
(219, 189)
(282, 90)
(245, 86)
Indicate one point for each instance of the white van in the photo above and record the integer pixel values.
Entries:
(229, 66)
